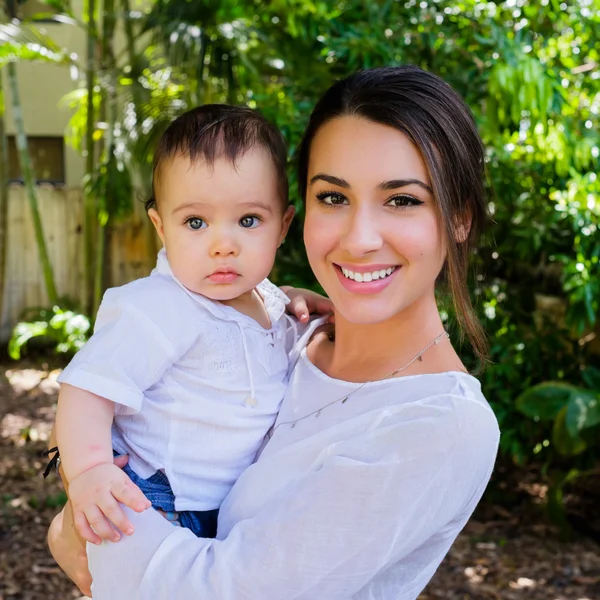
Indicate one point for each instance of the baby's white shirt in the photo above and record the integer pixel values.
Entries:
(196, 384)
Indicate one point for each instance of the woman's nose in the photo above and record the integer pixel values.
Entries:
(362, 234)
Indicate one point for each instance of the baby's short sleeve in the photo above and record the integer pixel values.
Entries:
(128, 353)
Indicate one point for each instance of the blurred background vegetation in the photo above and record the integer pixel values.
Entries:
(530, 71)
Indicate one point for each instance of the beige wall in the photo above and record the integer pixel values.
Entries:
(42, 86)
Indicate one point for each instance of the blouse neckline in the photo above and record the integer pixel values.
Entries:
(322, 375)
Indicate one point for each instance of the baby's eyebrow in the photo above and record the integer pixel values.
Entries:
(200, 205)
(187, 205)
(265, 207)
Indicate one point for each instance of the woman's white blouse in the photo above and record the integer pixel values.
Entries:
(196, 384)
(361, 502)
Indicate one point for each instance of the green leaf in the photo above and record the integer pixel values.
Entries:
(545, 400)
(591, 376)
(565, 443)
(583, 411)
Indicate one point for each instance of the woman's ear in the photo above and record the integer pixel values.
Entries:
(462, 228)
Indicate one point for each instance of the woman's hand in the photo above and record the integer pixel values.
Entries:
(303, 303)
(68, 549)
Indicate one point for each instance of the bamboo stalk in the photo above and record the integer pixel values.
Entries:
(3, 197)
(90, 212)
(27, 172)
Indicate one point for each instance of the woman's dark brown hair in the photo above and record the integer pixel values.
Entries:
(436, 119)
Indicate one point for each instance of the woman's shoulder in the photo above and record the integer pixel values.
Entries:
(441, 409)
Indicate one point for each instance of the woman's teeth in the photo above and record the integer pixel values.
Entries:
(366, 277)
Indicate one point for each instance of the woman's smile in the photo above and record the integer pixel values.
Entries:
(366, 279)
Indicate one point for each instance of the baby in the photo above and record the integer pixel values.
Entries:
(187, 367)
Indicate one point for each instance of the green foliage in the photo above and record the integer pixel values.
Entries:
(574, 412)
(65, 329)
(25, 42)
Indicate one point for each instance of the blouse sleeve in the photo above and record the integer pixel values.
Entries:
(365, 505)
(127, 354)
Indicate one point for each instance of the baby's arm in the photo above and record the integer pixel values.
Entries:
(96, 485)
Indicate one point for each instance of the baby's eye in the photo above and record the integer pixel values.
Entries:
(250, 221)
(195, 223)
(403, 201)
(331, 198)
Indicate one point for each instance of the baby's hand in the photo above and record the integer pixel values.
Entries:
(304, 303)
(94, 496)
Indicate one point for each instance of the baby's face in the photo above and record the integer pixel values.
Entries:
(220, 225)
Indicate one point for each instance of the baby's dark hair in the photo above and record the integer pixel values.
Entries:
(213, 131)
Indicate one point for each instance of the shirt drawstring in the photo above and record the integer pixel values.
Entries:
(291, 324)
(251, 401)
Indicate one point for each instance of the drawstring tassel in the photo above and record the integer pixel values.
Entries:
(54, 462)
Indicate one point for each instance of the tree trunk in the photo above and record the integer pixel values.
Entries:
(27, 171)
(146, 188)
(90, 218)
(110, 105)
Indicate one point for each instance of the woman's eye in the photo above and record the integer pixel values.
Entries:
(250, 221)
(403, 201)
(195, 223)
(331, 198)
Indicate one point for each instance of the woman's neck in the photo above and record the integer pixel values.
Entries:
(370, 351)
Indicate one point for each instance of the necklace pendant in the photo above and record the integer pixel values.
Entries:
(420, 357)
(344, 400)
(318, 414)
(293, 425)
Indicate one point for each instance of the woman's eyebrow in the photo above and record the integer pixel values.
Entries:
(330, 179)
(394, 184)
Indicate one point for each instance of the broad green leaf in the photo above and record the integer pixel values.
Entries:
(591, 376)
(545, 400)
(563, 441)
(583, 411)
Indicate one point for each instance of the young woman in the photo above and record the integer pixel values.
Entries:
(384, 443)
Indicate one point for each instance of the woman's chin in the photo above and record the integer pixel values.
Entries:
(364, 311)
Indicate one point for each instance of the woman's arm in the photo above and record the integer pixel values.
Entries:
(371, 503)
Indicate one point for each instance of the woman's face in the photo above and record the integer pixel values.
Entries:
(372, 231)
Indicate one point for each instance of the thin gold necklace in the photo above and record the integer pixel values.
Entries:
(344, 399)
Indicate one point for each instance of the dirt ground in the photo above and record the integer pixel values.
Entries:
(503, 553)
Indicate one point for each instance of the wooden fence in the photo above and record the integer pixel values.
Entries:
(131, 249)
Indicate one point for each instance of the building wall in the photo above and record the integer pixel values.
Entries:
(41, 88)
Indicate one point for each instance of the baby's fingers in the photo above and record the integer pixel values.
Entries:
(299, 308)
(83, 528)
(101, 525)
(115, 514)
(130, 494)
